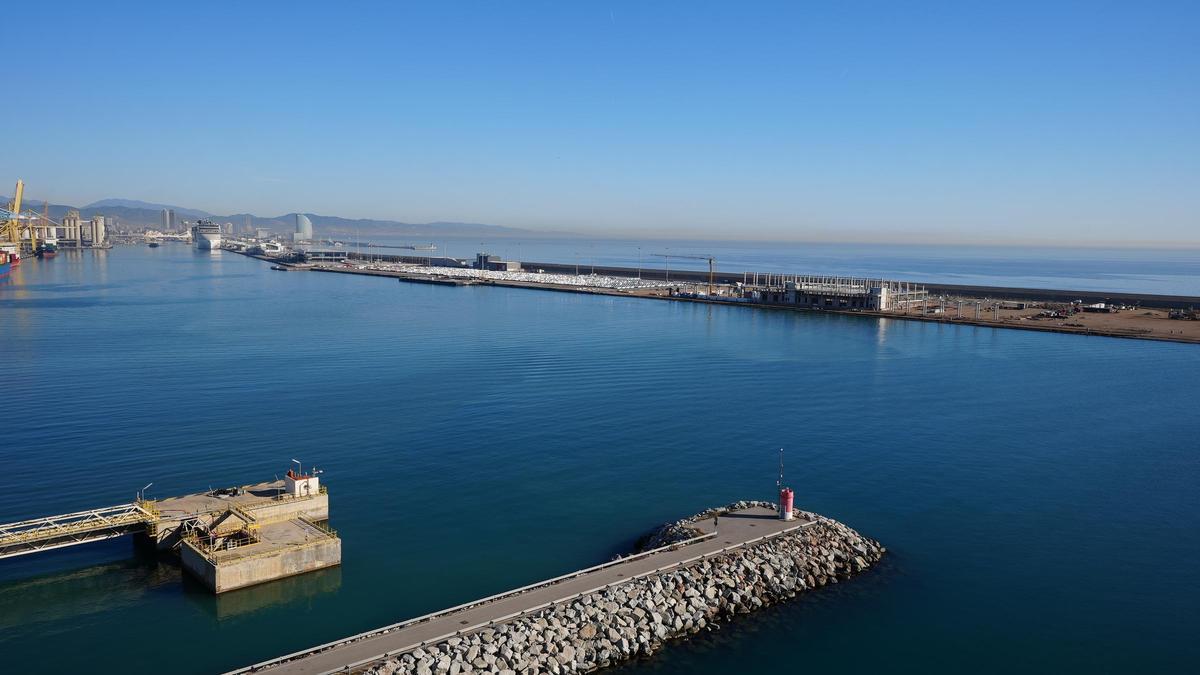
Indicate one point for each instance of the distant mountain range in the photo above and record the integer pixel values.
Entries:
(150, 206)
(137, 214)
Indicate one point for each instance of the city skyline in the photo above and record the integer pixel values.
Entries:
(1057, 124)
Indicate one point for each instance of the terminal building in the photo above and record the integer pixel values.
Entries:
(314, 254)
(816, 292)
(487, 261)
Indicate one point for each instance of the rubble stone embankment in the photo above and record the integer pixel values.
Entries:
(636, 618)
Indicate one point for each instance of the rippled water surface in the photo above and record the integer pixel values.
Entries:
(1037, 491)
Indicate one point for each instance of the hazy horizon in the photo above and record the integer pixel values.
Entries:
(813, 237)
(1046, 124)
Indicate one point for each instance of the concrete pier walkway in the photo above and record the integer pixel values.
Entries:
(736, 529)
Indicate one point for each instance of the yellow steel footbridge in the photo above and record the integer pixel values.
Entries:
(40, 534)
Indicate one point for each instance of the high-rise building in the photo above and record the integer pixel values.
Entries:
(304, 230)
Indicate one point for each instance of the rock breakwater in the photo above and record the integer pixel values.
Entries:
(635, 618)
(682, 530)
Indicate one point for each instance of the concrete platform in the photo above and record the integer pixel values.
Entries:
(261, 501)
(282, 549)
(229, 538)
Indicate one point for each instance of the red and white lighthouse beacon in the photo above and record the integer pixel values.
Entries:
(785, 493)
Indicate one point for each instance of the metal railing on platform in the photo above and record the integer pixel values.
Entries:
(39, 534)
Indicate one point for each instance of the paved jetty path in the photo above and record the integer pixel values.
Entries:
(736, 529)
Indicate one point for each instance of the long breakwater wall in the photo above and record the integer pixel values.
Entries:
(935, 289)
(636, 618)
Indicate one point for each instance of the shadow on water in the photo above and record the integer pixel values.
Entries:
(292, 590)
(72, 593)
(100, 301)
(71, 287)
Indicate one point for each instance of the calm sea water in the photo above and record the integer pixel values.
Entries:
(1037, 491)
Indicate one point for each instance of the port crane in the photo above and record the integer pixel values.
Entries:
(711, 261)
(12, 217)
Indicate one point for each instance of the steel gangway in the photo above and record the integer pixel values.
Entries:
(41, 534)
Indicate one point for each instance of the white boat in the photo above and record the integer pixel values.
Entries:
(207, 235)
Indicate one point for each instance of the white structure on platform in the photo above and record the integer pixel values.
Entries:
(301, 485)
(819, 292)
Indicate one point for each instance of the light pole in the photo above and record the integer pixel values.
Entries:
(639, 263)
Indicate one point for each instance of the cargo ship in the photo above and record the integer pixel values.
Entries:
(5, 264)
(46, 249)
(153, 244)
(14, 255)
(207, 235)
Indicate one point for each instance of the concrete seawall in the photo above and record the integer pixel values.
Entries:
(1006, 292)
(621, 621)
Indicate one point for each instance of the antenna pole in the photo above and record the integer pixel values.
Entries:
(785, 493)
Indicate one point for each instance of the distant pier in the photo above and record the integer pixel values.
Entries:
(1123, 315)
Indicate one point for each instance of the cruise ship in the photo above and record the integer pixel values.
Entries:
(207, 235)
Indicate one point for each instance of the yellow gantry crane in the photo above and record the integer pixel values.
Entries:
(13, 221)
(12, 228)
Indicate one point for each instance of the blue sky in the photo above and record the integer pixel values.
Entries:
(846, 121)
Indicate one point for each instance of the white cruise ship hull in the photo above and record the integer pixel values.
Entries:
(208, 242)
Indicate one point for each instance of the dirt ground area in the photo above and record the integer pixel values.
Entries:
(1134, 322)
